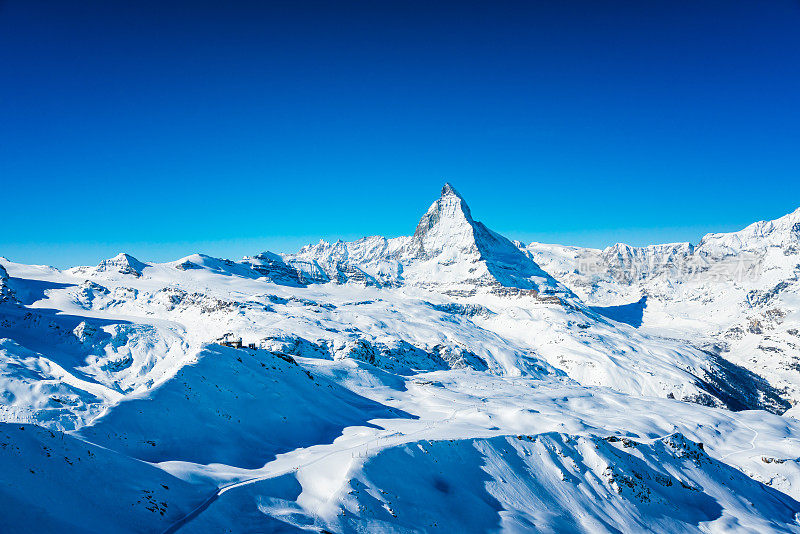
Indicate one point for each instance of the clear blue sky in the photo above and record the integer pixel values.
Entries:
(165, 128)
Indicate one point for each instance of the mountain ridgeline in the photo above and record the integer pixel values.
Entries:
(449, 379)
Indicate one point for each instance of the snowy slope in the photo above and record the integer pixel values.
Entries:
(438, 381)
(230, 407)
(558, 457)
(53, 482)
(737, 294)
(570, 483)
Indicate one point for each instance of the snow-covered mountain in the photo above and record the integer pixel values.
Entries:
(449, 252)
(447, 380)
(736, 294)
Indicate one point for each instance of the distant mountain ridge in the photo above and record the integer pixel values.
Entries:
(449, 250)
(737, 293)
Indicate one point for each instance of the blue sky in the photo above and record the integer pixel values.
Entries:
(230, 128)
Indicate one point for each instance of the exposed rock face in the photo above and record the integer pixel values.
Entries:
(394, 355)
(275, 269)
(123, 264)
(6, 293)
(372, 261)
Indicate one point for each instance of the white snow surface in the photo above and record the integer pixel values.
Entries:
(736, 294)
(451, 381)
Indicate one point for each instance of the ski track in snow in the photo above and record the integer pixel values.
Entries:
(752, 443)
(363, 446)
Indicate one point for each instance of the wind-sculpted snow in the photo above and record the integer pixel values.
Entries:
(442, 381)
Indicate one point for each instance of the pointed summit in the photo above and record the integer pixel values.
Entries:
(454, 249)
(450, 208)
(449, 252)
(449, 190)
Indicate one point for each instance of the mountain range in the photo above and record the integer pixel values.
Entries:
(449, 380)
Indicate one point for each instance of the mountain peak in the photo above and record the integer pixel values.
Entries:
(123, 263)
(449, 190)
(783, 232)
(456, 249)
(450, 206)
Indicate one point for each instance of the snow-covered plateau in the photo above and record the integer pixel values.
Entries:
(447, 381)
